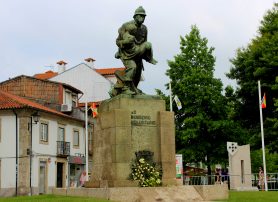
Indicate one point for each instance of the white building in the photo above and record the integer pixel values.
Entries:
(37, 155)
(94, 83)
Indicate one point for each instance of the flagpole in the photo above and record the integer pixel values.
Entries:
(171, 100)
(86, 142)
(262, 134)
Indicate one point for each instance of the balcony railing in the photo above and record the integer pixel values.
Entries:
(63, 148)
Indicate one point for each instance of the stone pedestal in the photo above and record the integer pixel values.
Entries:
(124, 126)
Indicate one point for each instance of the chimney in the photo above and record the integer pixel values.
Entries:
(61, 66)
(90, 62)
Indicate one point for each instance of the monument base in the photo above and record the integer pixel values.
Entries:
(135, 194)
(126, 125)
(111, 183)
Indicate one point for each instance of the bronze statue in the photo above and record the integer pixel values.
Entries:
(133, 48)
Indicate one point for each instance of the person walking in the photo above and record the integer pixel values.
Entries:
(261, 178)
(82, 178)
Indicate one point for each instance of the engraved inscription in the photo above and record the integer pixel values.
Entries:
(141, 119)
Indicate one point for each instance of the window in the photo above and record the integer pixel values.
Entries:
(61, 134)
(75, 138)
(44, 132)
(68, 98)
(74, 100)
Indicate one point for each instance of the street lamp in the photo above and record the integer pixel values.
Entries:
(36, 117)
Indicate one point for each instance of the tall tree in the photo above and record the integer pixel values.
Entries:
(202, 126)
(258, 61)
(274, 121)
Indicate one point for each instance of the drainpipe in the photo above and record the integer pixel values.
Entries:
(31, 153)
(86, 143)
(16, 152)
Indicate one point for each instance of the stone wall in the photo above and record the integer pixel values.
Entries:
(240, 169)
(213, 192)
(24, 159)
(44, 92)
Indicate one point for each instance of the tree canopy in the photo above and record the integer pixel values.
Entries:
(258, 61)
(208, 119)
(202, 125)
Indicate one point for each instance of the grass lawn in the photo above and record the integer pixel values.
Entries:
(255, 196)
(52, 198)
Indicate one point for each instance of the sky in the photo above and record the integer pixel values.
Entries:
(35, 35)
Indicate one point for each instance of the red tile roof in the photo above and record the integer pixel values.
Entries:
(103, 71)
(67, 86)
(10, 101)
(47, 75)
(108, 71)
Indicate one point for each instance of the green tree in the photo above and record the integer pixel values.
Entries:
(164, 97)
(274, 121)
(202, 125)
(257, 160)
(258, 61)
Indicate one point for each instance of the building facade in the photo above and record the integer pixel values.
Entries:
(37, 155)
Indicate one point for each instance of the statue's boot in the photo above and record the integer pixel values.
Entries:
(153, 61)
(138, 91)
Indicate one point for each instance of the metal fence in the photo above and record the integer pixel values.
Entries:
(272, 180)
(205, 180)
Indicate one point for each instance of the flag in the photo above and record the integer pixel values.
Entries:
(263, 102)
(94, 110)
(178, 102)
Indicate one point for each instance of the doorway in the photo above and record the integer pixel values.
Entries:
(60, 168)
(42, 178)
